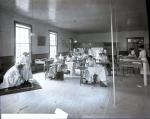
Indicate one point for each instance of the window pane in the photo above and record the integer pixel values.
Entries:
(22, 40)
(20, 48)
(52, 51)
(53, 39)
(53, 44)
(22, 35)
(22, 26)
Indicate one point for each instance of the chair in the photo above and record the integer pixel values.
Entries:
(47, 65)
(82, 74)
(82, 70)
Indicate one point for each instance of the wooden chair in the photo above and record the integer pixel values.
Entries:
(47, 65)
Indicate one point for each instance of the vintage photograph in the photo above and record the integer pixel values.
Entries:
(74, 59)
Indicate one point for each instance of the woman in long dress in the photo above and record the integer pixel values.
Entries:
(142, 56)
(25, 59)
(70, 64)
(53, 68)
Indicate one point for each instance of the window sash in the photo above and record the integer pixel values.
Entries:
(23, 40)
(52, 44)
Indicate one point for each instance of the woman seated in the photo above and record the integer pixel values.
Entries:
(69, 58)
(52, 70)
(70, 64)
(62, 67)
(58, 66)
(57, 59)
(132, 53)
(95, 72)
(104, 60)
(90, 61)
(13, 77)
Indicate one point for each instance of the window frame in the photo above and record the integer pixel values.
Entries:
(30, 42)
(50, 31)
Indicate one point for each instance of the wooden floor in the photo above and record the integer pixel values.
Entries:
(132, 98)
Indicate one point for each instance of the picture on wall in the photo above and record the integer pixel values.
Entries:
(65, 44)
(41, 41)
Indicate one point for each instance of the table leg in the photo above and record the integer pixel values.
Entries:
(145, 73)
(123, 71)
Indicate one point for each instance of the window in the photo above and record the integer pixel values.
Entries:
(23, 39)
(53, 44)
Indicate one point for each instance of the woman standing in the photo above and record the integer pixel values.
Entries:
(142, 56)
(25, 59)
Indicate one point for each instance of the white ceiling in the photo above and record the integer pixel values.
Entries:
(83, 16)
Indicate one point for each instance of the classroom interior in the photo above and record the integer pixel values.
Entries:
(74, 30)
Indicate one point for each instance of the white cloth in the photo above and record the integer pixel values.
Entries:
(71, 67)
(91, 62)
(69, 59)
(99, 70)
(12, 78)
(27, 74)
